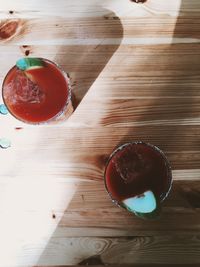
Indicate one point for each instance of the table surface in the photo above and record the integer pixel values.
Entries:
(135, 72)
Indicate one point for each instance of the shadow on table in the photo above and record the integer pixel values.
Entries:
(95, 41)
(169, 119)
(90, 48)
(175, 101)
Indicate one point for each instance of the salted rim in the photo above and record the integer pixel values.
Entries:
(69, 98)
(163, 196)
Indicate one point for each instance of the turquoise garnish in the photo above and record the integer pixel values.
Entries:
(29, 62)
(3, 109)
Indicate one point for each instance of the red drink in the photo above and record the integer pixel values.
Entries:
(136, 168)
(37, 94)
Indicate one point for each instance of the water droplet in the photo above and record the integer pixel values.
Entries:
(3, 109)
(5, 143)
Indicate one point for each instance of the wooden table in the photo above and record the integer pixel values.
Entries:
(135, 70)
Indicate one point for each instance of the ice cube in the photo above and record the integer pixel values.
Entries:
(22, 89)
(129, 165)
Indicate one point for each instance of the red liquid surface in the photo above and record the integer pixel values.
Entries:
(36, 95)
(135, 169)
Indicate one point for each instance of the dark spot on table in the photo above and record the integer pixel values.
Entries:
(18, 128)
(74, 100)
(107, 17)
(27, 52)
(53, 216)
(11, 12)
(73, 83)
(94, 260)
(82, 196)
(138, 1)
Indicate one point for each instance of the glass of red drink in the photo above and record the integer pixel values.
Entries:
(138, 178)
(37, 91)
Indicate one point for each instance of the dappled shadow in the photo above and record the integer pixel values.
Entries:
(90, 49)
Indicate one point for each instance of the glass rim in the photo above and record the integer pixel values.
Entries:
(57, 115)
(164, 195)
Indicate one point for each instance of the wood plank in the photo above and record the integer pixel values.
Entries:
(137, 112)
(140, 111)
(97, 22)
(144, 250)
(83, 157)
(126, 68)
(166, 249)
(78, 9)
(180, 211)
(48, 32)
(40, 236)
(184, 194)
(85, 209)
(48, 8)
(80, 196)
(59, 211)
(136, 75)
(115, 221)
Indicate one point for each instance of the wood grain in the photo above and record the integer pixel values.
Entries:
(121, 251)
(83, 157)
(85, 209)
(180, 211)
(137, 20)
(135, 73)
(150, 80)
